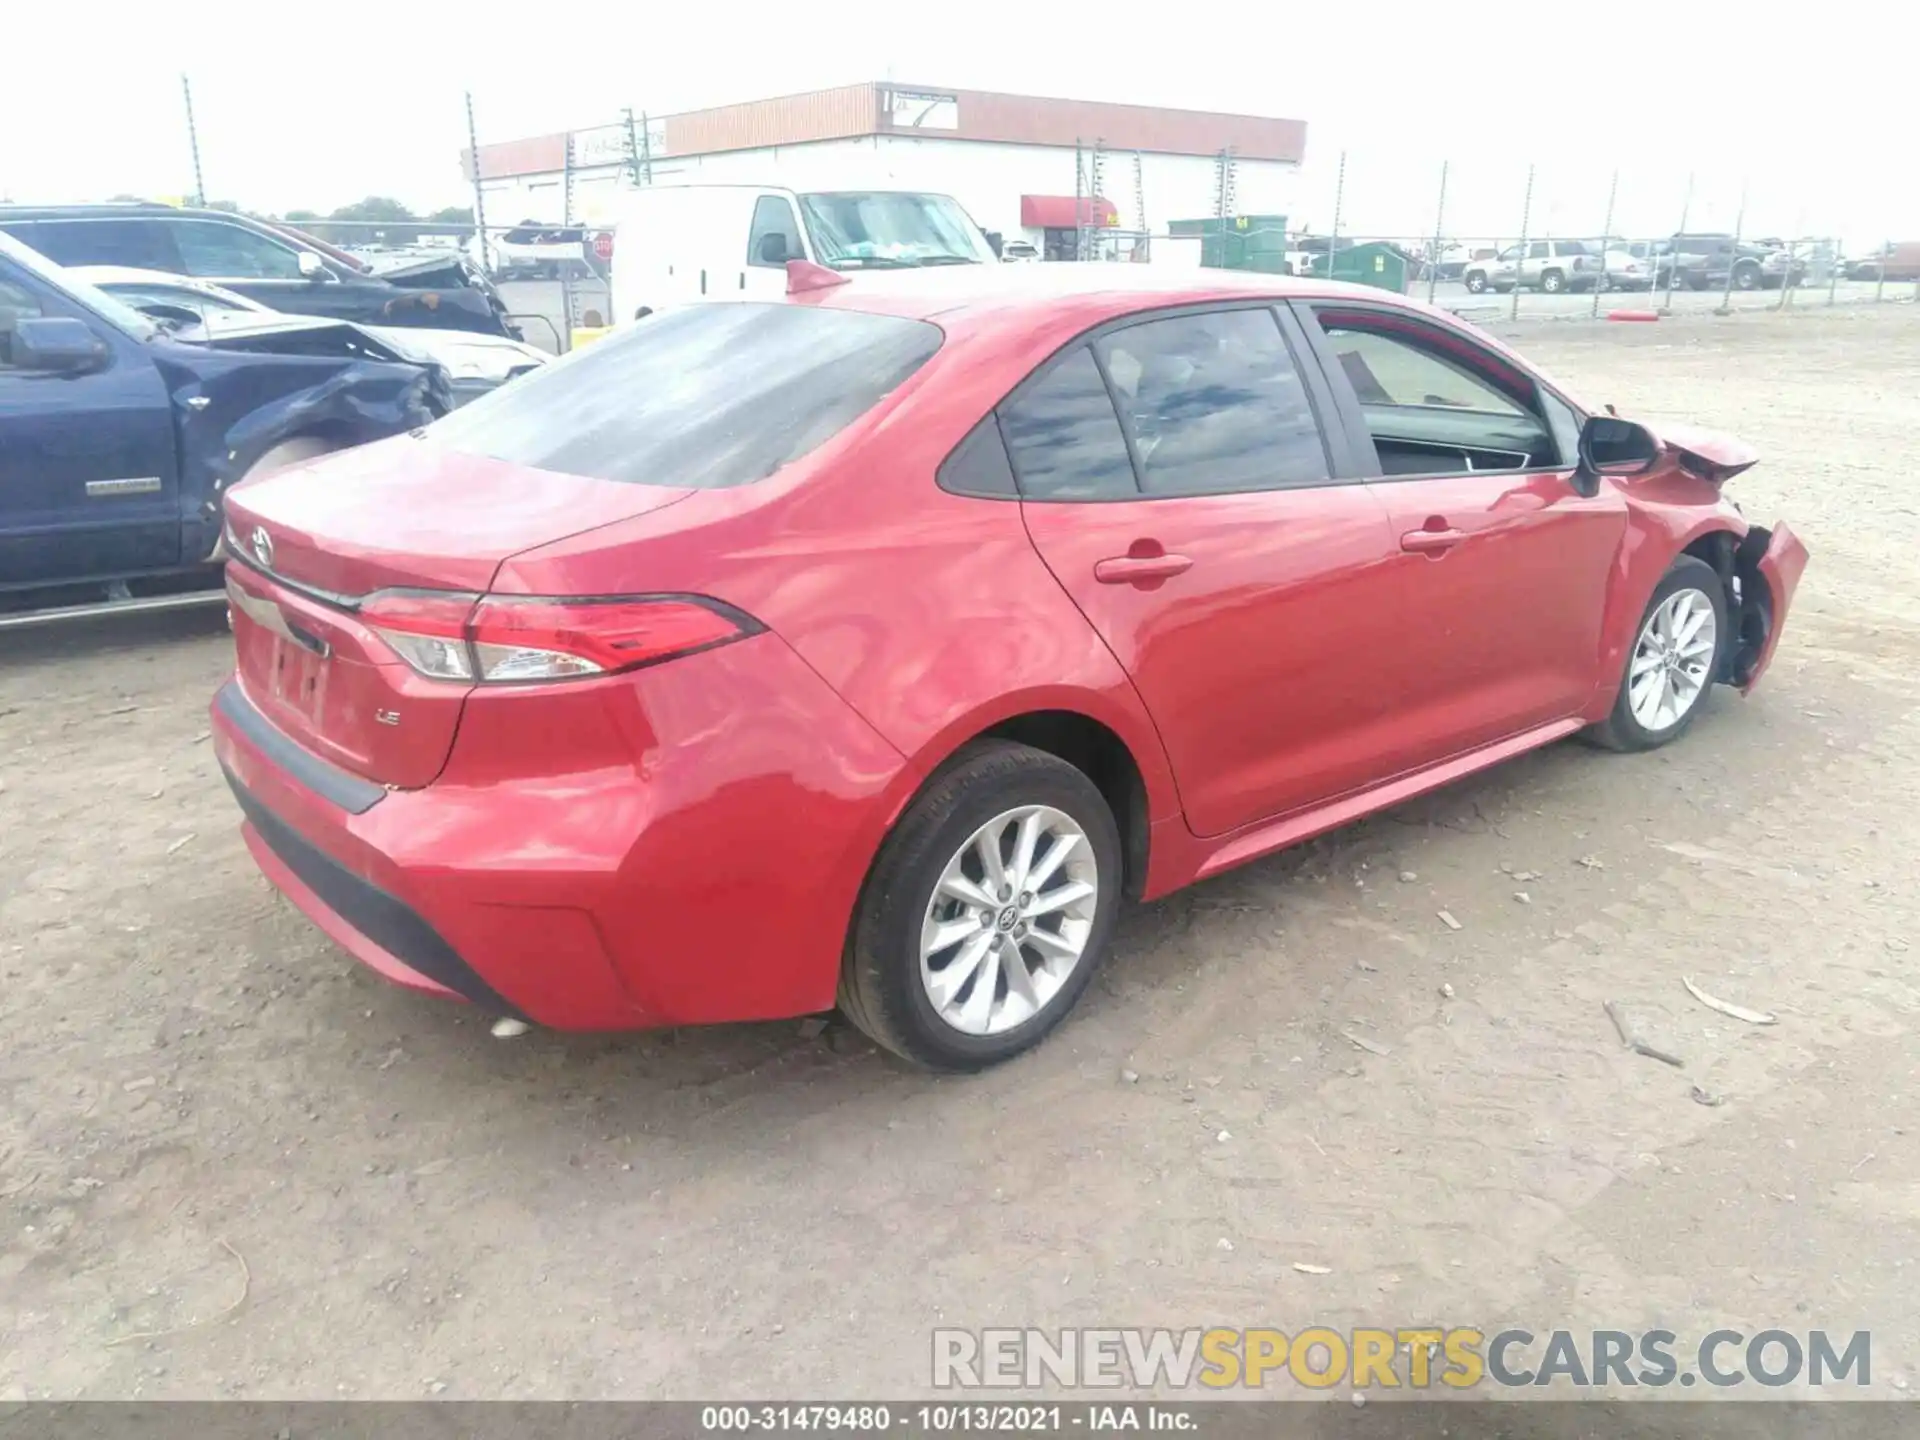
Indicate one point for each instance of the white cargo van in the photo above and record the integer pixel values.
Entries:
(675, 243)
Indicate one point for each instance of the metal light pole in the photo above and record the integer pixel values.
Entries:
(1606, 230)
(1673, 255)
(1520, 260)
(193, 142)
(479, 195)
(1439, 224)
(1733, 257)
(1339, 196)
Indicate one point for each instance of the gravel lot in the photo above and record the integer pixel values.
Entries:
(217, 1129)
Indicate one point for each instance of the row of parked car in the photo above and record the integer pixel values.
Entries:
(1685, 261)
(151, 357)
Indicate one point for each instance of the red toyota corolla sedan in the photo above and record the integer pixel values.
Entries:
(865, 648)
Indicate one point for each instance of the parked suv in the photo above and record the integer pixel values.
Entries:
(1701, 261)
(280, 268)
(119, 436)
(1549, 265)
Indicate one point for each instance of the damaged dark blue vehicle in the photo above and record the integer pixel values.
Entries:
(120, 435)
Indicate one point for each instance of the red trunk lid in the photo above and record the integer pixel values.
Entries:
(316, 540)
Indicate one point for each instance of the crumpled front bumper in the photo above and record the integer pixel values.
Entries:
(1780, 567)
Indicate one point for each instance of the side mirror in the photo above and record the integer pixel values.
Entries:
(1612, 446)
(773, 249)
(312, 267)
(57, 345)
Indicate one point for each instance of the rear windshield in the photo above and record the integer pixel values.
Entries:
(704, 396)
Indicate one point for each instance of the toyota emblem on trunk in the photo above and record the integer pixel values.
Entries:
(262, 546)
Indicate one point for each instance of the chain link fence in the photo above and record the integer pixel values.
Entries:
(1486, 239)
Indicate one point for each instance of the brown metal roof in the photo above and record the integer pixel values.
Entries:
(871, 108)
(1038, 120)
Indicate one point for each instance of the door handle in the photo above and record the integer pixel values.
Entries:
(1140, 569)
(1431, 542)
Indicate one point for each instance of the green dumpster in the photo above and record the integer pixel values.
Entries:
(1238, 242)
(1382, 266)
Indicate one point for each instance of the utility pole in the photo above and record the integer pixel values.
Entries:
(193, 142)
(1439, 228)
(639, 149)
(479, 194)
(1520, 260)
(1606, 240)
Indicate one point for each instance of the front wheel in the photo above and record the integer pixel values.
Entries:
(987, 912)
(1673, 662)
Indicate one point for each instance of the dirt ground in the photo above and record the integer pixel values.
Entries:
(217, 1128)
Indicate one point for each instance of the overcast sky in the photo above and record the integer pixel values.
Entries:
(315, 105)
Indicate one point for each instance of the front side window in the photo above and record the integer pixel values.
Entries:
(703, 396)
(1214, 404)
(1433, 403)
(1386, 370)
(232, 252)
(1537, 250)
(775, 236)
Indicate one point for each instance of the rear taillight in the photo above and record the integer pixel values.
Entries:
(425, 628)
(516, 639)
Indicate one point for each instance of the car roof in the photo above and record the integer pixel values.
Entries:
(1049, 305)
(965, 295)
(147, 209)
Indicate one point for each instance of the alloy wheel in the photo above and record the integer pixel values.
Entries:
(1009, 920)
(1672, 660)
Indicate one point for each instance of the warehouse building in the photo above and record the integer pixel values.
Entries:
(1023, 166)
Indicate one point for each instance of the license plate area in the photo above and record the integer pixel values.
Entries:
(297, 677)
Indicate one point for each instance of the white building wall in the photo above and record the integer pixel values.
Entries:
(988, 179)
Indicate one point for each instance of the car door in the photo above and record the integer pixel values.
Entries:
(89, 486)
(1500, 564)
(1176, 480)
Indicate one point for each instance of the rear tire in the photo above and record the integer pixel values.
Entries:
(1553, 282)
(1636, 724)
(895, 984)
(1476, 282)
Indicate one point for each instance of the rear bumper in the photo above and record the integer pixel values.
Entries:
(359, 861)
(378, 929)
(682, 844)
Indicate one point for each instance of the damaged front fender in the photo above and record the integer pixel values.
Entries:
(230, 409)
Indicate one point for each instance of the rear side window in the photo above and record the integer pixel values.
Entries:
(1214, 404)
(703, 396)
(1064, 437)
(139, 244)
